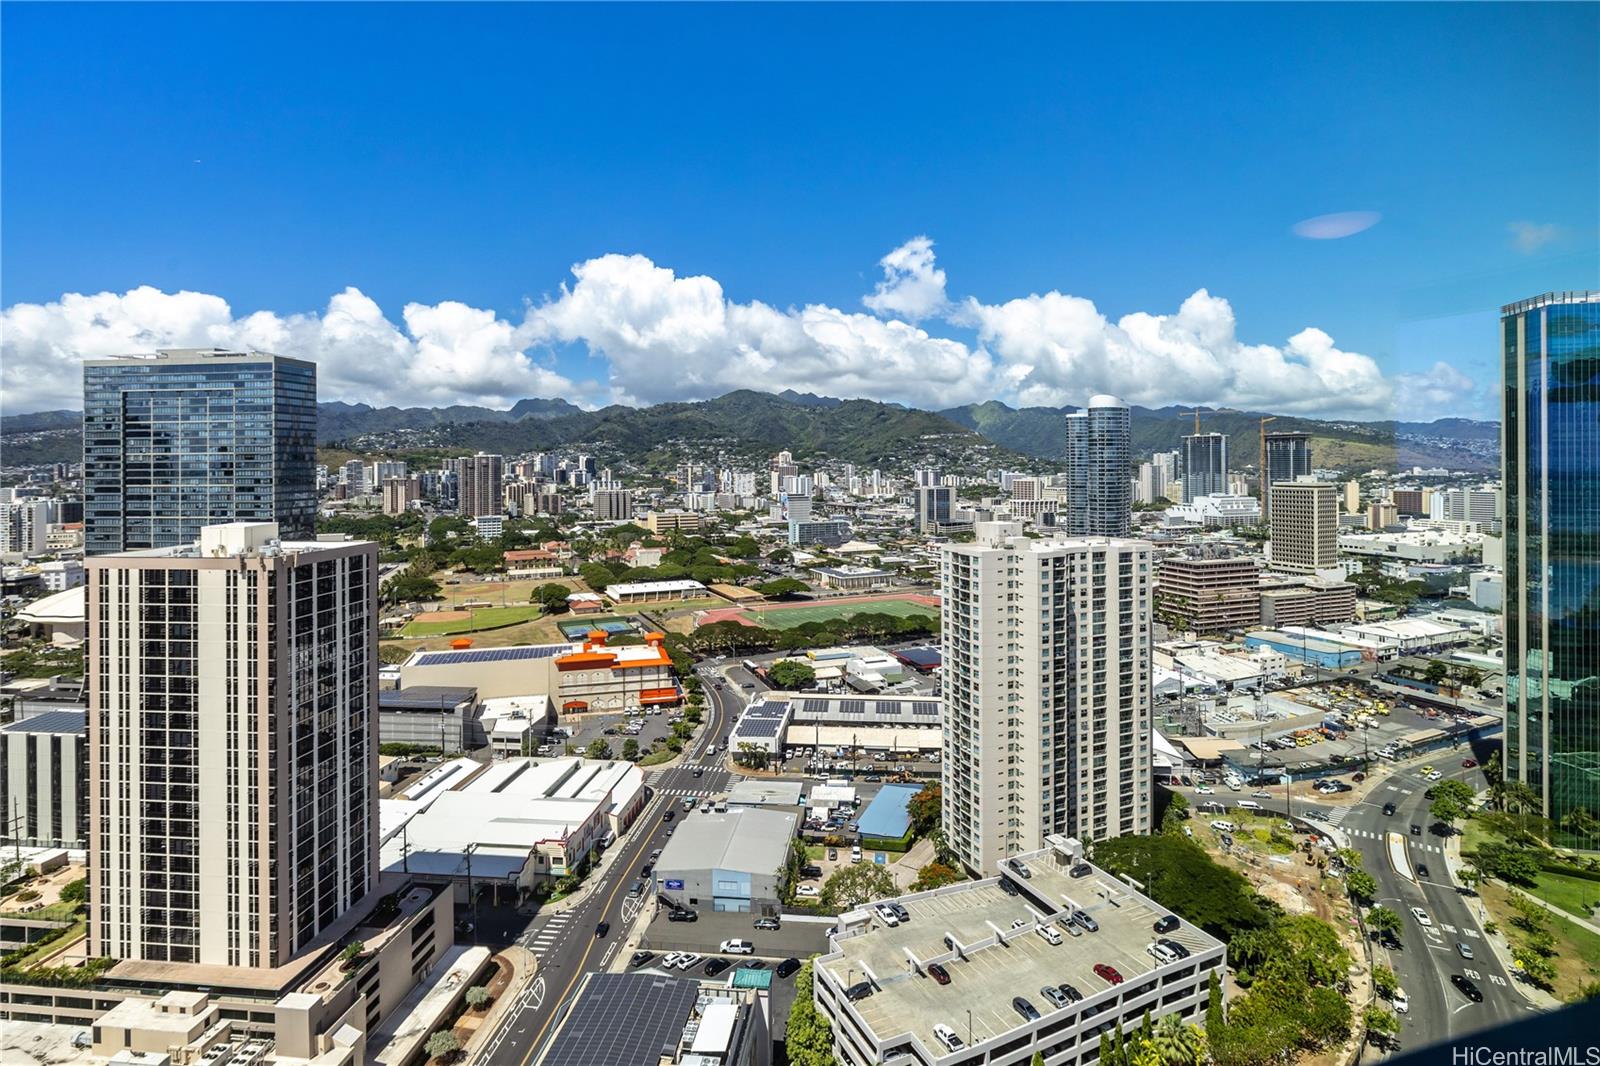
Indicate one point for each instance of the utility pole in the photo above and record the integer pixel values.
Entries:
(472, 899)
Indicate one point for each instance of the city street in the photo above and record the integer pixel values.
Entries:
(1429, 956)
(564, 941)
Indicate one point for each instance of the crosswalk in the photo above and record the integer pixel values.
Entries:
(1336, 815)
(549, 933)
(702, 793)
(1368, 834)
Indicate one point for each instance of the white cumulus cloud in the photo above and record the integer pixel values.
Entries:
(667, 337)
(912, 287)
(657, 336)
(446, 353)
(1057, 348)
(1439, 391)
(1529, 237)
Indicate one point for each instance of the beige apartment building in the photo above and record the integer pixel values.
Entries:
(1046, 647)
(232, 745)
(1209, 595)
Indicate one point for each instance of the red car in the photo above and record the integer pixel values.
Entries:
(1467, 764)
(1107, 973)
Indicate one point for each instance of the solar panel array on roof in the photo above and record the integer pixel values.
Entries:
(758, 727)
(929, 709)
(491, 655)
(852, 706)
(813, 706)
(887, 706)
(623, 1018)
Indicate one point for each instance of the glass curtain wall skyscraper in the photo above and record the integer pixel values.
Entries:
(191, 437)
(1205, 465)
(1551, 471)
(1099, 473)
(1288, 458)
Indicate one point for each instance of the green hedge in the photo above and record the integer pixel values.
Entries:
(1570, 871)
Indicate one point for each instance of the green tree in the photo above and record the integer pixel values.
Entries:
(1176, 814)
(598, 749)
(1361, 885)
(443, 1046)
(783, 586)
(851, 886)
(1538, 969)
(1384, 981)
(551, 596)
(1215, 1019)
(1178, 874)
(924, 809)
(630, 750)
(409, 585)
(1179, 1043)
(1580, 822)
(352, 951)
(478, 997)
(936, 875)
(1382, 920)
(791, 674)
(809, 1037)
(75, 891)
(1382, 1024)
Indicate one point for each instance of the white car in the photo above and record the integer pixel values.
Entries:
(670, 962)
(1402, 1002)
(886, 916)
(1422, 917)
(1435, 776)
(1203, 790)
(809, 891)
(687, 959)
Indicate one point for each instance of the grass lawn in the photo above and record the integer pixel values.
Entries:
(79, 930)
(1574, 895)
(483, 618)
(55, 912)
(789, 617)
(1577, 951)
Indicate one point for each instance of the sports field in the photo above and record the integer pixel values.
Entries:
(482, 618)
(789, 617)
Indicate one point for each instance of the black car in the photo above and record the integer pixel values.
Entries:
(1006, 886)
(644, 871)
(698, 772)
(602, 929)
(1416, 830)
(1166, 924)
(1029, 1012)
(1388, 810)
(716, 966)
(811, 871)
(769, 924)
(1173, 946)
(1422, 869)
(859, 990)
(1468, 989)
(1071, 992)
(680, 914)
(669, 815)
(641, 957)
(787, 967)
(1082, 869)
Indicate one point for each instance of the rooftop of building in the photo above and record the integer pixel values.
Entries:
(644, 588)
(995, 960)
(623, 1018)
(191, 355)
(426, 697)
(235, 540)
(60, 721)
(746, 839)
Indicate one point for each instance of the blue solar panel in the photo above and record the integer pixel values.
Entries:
(491, 655)
(813, 706)
(925, 708)
(887, 706)
(758, 727)
(852, 706)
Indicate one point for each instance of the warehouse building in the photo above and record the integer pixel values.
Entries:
(874, 989)
(445, 716)
(731, 861)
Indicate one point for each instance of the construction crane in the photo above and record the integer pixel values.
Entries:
(1261, 473)
(1196, 413)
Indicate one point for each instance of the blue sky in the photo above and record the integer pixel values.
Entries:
(1071, 165)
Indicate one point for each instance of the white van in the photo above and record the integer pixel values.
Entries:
(737, 947)
(1248, 805)
(1222, 825)
(855, 853)
(1049, 934)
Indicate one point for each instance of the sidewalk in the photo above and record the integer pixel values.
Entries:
(505, 987)
(1497, 941)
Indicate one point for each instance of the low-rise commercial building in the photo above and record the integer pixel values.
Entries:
(1301, 647)
(674, 522)
(577, 678)
(532, 564)
(445, 716)
(655, 591)
(511, 824)
(904, 724)
(874, 987)
(1304, 603)
(851, 577)
(727, 861)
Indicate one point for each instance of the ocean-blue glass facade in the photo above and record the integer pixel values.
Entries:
(190, 438)
(1551, 471)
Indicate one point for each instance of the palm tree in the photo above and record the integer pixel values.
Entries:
(1579, 822)
(1179, 1043)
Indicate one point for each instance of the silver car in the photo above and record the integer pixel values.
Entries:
(1464, 948)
